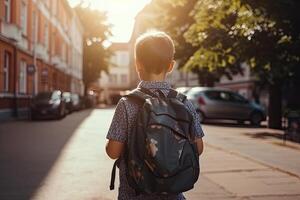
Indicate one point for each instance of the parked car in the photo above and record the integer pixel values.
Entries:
(48, 104)
(91, 100)
(82, 101)
(183, 90)
(225, 104)
(68, 101)
(75, 99)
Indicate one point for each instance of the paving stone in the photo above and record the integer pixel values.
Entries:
(66, 159)
(214, 160)
(208, 190)
(292, 197)
(255, 183)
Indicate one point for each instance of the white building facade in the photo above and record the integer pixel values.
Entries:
(76, 56)
(117, 80)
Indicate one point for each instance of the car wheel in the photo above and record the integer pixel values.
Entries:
(201, 116)
(256, 118)
(61, 113)
(240, 122)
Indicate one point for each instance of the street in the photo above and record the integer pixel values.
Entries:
(66, 159)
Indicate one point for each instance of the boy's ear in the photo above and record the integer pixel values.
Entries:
(171, 66)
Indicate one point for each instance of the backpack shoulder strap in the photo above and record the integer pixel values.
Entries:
(181, 97)
(174, 94)
(113, 175)
(138, 95)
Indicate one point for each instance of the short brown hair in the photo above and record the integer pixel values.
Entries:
(155, 51)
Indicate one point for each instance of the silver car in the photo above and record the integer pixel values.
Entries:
(183, 90)
(214, 103)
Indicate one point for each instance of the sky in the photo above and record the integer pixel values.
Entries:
(120, 13)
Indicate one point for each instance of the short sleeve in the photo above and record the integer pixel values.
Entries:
(118, 127)
(196, 120)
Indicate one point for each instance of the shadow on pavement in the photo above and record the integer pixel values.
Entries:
(28, 150)
(265, 135)
(231, 123)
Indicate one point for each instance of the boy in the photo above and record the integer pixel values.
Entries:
(154, 54)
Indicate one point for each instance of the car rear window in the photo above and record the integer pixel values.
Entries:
(213, 95)
(44, 95)
(218, 95)
(238, 98)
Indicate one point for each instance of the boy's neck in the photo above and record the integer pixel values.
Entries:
(154, 77)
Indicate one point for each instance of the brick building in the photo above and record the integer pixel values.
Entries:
(40, 50)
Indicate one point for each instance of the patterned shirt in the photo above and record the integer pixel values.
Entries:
(124, 122)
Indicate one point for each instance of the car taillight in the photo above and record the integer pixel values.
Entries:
(201, 101)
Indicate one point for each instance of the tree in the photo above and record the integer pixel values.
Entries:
(175, 18)
(96, 31)
(263, 34)
(213, 38)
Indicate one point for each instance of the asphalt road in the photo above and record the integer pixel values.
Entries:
(65, 159)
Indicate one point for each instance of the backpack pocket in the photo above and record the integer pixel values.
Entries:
(165, 143)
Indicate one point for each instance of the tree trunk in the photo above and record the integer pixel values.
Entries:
(275, 106)
(210, 80)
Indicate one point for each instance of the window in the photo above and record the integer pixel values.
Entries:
(124, 78)
(123, 58)
(46, 35)
(24, 17)
(63, 49)
(238, 98)
(6, 71)
(22, 77)
(34, 26)
(113, 78)
(225, 96)
(213, 95)
(54, 7)
(56, 95)
(53, 41)
(7, 10)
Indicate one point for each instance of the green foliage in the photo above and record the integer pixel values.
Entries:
(229, 32)
(96, 31)
(214, 37)
(172, 16)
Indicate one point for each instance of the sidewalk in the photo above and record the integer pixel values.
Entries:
(228, 176)
(66, 159)
(256, 144)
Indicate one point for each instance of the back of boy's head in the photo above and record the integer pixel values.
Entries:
(154, 50)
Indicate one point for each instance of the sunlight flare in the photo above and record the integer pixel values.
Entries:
(121, 14)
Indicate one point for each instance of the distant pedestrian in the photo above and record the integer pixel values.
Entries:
(155, 133)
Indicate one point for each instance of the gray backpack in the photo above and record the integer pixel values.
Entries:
(161, 156)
